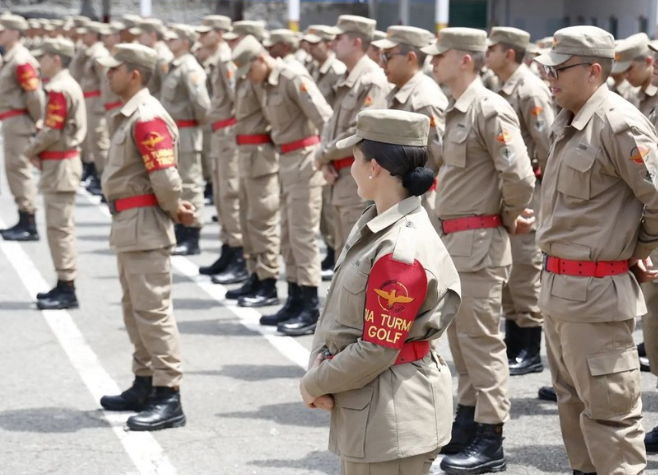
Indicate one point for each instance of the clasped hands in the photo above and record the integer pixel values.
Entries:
(324, 402)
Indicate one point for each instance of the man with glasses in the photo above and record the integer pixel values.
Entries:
(599, 212)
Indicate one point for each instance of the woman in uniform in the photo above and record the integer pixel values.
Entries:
(394, 290)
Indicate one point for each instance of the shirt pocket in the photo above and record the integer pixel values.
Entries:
(118, 148)
(169, 90)
(576, 174)
(454, 147)
(278, 109)
(349, 420)
(352, 297)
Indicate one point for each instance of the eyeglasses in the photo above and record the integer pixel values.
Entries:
(554, 72)
(386, 57)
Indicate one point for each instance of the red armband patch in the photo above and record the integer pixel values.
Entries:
(56, 110)
(394, 295)
(156, 144)
(27, 77)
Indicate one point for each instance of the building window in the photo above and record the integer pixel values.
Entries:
(643, 24)
(613, 25)
(580, 20)
(566, 21)
(594, 21)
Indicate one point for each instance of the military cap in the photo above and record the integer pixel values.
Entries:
(80, 20)
(653, 46)
(34, 23)
(112, 28)
(47, 26)
(578, 41)
(214, 22)
(545, 43)
(131, 53)
(409, 35)
(533, 48)
(184, 32)
(317, 33)
(462, 39)
(59, 46)
(57, 23)
(91, 27)
(147, 25)
(246, 51)
(131, 20)
(355, 24)
(389, 126)
(627, 50)
(282, 35)
(508, 35)
(379, 35)
(13, 22)
(247, 27)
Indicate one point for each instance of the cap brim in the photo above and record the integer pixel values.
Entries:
(230, 36)
(37, 52)
(552, 59)
(268, 43)
(108, 62)
(621, 66)
(385, 43)
(203, 29)
(653, 46)
(348, 142)
(135, 31)
(309, 38)
(434, 49)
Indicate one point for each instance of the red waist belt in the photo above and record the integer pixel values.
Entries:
(411, 351)
(12, 113)
(59, 155)
(112, 105)
(471, 222)
(222, 124)
(139, 201)
(599, 269)
(184, 124)
(292, 146)
(89, 94)
(343, 163)
(257, 139)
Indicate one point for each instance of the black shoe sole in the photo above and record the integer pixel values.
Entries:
(536, 368)
(546, 397)
(178, 421)
(262, 303)
(192, 252)
(235, 280)
(490, 467)
(302, 331)
(73, 305)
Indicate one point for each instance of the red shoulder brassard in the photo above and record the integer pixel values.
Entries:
(27, 77)
(156, 144)
(56, 110)
(394, 296)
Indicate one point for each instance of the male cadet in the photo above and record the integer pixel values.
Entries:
(97, 142)
(55, 151)
(21, 107)
(259, 186)
(327, 73)
(402, 60)
(144, 190)
(532, 102)
(111, 102)
(364, 86)
(184, 96)
(375, 52)
(603, 163)
(485, 183)
(150, 32)
(635, 60)
(230, 267)
(297, 112)
(618, 83)
(282, 43)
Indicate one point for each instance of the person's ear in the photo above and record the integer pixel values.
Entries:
(375, 168)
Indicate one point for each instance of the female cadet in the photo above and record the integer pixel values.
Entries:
(395, 288)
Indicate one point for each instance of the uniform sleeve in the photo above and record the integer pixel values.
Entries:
(435, 139)
(28, 79)
(538, 115)
(195, 83)
(57, 110)
(309, 98)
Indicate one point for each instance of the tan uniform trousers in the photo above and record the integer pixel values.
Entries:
(226, 186)
(596, 376)
(347, 207)
(60, 229)
(206, 155)
(189, 168)
(145, 278)
(650, 324)
(477, 347)
(301, 202)
(97, 142)
(327, 218)
(19, 171)
(416, 465)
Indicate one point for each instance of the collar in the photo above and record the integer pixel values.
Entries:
(350, 77)
(131, 106)
(650, 91)
(63, 74)
(591, 106)
(324, 69)
(402, 94)
(214, 58)
(466, 99)
(377, 223)
(514, 79)
(273, 78)
(91, 50)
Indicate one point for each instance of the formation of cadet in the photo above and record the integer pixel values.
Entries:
(531, 149)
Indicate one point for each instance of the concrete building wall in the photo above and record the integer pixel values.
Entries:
(627, 13)
(539, 17)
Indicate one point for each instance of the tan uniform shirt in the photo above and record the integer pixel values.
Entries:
(78, 61)
(165, 57)
(384, 411)
(647, 99)
(624, 89)
(142, 160)
(64, 129)
(599, 203)
(222, 78)
(486, 171)
(91, 74)
(20, 89)
(327, 76)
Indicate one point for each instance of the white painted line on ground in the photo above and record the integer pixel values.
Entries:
(142, 448)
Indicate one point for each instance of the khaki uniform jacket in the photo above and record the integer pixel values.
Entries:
(624, 89)
(64, 129)
(647, 100)
(385, 411)
(107, 96)
(326, 77)
(599, 203)
(20, 88)
(92, 73)
(165, 57)
(222, 78)
(531, 100)
(423, 95)
(486, 171)
(78, 61)
(142, 160)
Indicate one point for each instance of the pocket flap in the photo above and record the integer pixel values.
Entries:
(354, 281)
(357, 399)
(613, 362)
(582, 160)
(459, 135)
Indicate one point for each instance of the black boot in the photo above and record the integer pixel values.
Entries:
(265, 295)
(645, 365)
(236, 270)
(327, 265)
(512, 331)
(25, 230)
(220, 264)
(307, 320)
(293, 306)
(463, 430)
(88, 171)
(163, 411)
(483, 455)
(133, 398)
(651, 441)
(248, 288)
(528, 359)
(547, 393)
(190, 242)
(578, 472)
(207, 194)
(94, 186)
(61, 297)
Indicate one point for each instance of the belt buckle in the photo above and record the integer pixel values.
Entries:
(112, 205)
(544, 261)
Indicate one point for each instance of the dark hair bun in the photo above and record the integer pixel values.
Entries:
(418, 180)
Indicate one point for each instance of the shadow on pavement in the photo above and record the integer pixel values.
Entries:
(213, 327)
(51, 420)
(290, 414)
(256, 372)
(314, 462)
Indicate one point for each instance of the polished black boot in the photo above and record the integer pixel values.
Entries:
(88, 171)
(264, 296)
(207, 194)
(327, 265)
(528, 359)
(94, 186)
(248, 288)
(25, 230)
(236, 270)
(651, 441)
(133, 398)
(163, 411)
(463, 430)
(547, 393)
(220, 264)
(645, 365)
(189, 244)
(512, 332)
(578, 472)
(307, 320)
(483, 455)
(61, 297)
(293, 307)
